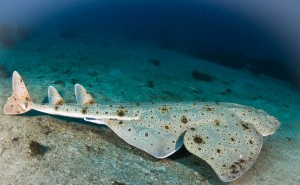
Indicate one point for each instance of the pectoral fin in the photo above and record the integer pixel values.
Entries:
(230, 148)
(148, 136)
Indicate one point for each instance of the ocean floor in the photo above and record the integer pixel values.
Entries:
(36, 148)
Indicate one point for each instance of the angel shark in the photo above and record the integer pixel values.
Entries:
(227, 136)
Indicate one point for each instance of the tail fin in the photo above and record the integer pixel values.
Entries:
(18, 102)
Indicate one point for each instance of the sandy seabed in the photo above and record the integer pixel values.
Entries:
(36, 148)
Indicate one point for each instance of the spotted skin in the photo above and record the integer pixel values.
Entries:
(227, 136)
(229, 148)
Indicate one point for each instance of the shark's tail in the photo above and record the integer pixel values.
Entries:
(20, 100)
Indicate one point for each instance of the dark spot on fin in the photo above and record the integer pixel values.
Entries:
(82, 96)
(54, 97)
(198, 140)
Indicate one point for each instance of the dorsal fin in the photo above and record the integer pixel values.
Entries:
(54, 97)
(82, 96)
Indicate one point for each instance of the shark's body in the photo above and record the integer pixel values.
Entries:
(227, 136)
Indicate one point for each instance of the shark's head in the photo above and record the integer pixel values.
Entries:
(269, 124)
(263, 122)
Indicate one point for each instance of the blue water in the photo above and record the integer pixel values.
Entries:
(197, 28)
